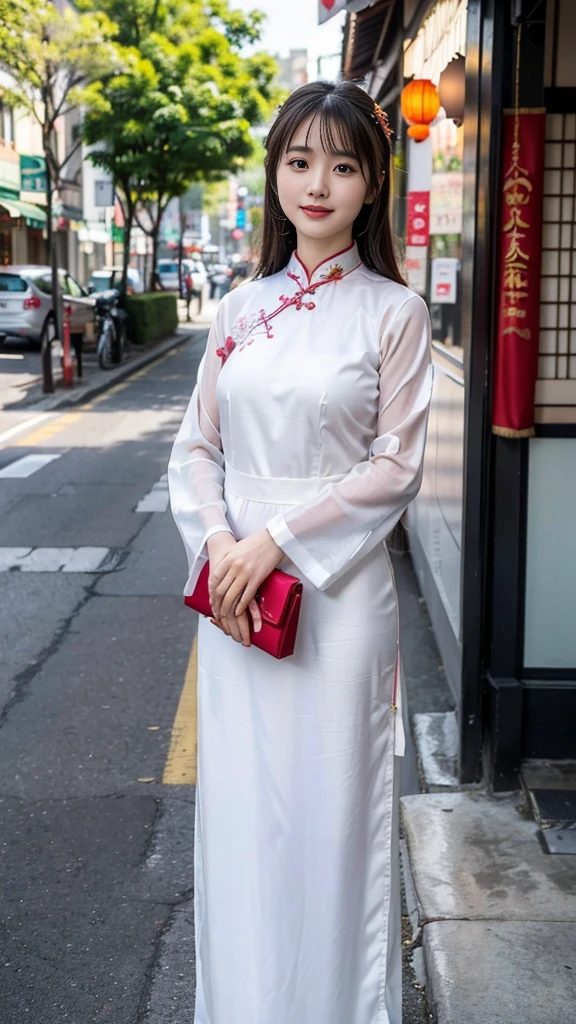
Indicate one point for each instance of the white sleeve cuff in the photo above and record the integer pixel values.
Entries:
(312, 570)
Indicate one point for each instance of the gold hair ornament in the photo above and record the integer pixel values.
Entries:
(382, 118)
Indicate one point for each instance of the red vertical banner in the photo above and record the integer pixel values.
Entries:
(516, 357)
(418, 218)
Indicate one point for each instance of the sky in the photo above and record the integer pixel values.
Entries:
(293, 24)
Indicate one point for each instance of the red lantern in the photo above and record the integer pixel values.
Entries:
(420, 104)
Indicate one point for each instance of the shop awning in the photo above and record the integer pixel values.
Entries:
(34, 216)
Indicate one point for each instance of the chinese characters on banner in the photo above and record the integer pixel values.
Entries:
(516, 357)
(328, 8)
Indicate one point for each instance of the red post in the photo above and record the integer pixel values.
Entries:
(68, 368)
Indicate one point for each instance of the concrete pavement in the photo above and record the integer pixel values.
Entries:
(492, 915)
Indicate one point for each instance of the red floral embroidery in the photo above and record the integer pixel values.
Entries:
(244, 327)
(226, 350)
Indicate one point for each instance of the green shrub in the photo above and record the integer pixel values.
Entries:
(152, 316)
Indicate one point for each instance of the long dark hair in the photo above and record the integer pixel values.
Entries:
(347, 116)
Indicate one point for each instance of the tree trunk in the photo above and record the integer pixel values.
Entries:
(182, 215)
(154, 236)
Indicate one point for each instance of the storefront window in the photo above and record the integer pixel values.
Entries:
(446, 204)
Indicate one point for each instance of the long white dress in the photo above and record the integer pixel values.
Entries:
(308, 418)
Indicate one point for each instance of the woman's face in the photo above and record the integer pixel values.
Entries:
(320, 193)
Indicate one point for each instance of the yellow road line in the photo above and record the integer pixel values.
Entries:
(180, 766)
(64, 420)
(47, 431)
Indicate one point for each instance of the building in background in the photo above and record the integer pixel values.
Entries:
(293, 69)
(22, 189)
(492, 533)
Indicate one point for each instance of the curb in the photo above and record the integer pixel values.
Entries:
(109, 378)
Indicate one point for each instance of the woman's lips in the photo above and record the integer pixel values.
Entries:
(315, 212)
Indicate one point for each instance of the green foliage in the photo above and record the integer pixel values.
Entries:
(152, 316)
(181, 108)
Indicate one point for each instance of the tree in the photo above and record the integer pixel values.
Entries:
(50, 56)
(183, 106)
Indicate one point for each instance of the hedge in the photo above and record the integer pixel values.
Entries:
(152, 316)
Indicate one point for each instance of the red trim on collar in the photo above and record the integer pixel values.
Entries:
(332, 257)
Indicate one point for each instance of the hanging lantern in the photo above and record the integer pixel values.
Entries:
(452, 89)
(420, 103)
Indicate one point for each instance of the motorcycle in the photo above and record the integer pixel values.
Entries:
(111, 327)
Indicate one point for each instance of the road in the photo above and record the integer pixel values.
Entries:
(97, 711)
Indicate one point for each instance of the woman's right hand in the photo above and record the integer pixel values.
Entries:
(236, 626)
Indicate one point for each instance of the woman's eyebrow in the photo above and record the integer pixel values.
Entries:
(308, 149)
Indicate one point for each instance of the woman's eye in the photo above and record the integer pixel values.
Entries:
(345, 168)
(302, 164)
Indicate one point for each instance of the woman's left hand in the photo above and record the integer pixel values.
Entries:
(237, 576)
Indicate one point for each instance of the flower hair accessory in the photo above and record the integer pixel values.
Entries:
(382, 117)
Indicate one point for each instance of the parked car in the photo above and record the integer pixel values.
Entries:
(26, 308)
(167, 271)
(110, 277)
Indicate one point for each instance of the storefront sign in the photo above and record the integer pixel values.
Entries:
(443, 286)
(416, 264)
(328, 8)
(446, 203)
(516, 362)
(418, 218)
(33, 173)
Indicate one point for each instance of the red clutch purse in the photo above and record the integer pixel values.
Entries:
(279, 598)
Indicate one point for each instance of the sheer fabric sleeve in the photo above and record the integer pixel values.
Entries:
(196, 466)
(327, 535)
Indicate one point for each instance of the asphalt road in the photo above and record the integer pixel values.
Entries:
(97, 711)
(96, 865)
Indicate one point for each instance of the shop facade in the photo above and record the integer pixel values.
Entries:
(492, 533)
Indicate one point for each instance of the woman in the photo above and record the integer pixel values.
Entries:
(300, 449)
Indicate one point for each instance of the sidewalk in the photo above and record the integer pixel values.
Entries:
(94, 381)
(493, 917)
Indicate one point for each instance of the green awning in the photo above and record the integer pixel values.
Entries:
(34, 216)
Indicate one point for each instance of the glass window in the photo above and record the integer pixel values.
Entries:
(12, 283)
(446, 211)
(72, 287)
(43, 282)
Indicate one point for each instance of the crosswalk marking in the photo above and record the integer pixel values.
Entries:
(25, 466)
(180, 766)
(158, 499)
(83, 559)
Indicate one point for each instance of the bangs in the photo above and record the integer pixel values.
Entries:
(341, 129)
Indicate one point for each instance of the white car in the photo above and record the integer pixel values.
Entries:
(110, 277)
(167, 271)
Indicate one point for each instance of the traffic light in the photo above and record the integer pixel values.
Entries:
(241, 207)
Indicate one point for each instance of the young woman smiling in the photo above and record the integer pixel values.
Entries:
(301, 447)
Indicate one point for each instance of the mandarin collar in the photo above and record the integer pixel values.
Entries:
(335, 266)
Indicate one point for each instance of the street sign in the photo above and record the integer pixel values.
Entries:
(103, 193)
(237, 234)
(33, 173)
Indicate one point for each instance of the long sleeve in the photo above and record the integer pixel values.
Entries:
(196, 466)
(327, 535)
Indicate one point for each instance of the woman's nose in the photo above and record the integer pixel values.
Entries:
(317, 186)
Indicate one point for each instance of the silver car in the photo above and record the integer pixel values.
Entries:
(26, 308)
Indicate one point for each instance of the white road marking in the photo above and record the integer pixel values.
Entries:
(26, 466)
(24, 426)
(11, 355)
(158, 499)
(84, 559)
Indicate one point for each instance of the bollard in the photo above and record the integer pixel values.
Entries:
(67, 365)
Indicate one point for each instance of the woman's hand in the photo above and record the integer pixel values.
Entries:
(239, 572)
